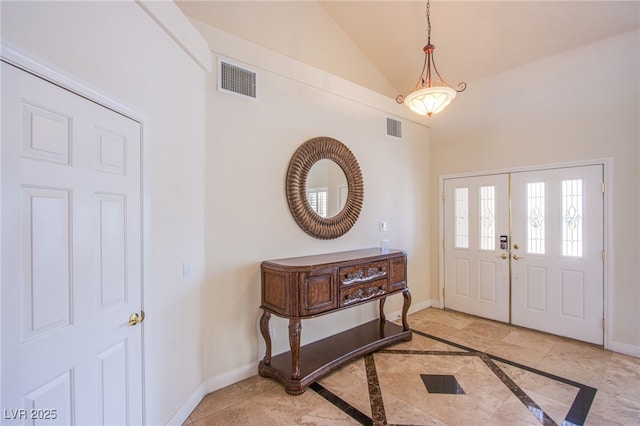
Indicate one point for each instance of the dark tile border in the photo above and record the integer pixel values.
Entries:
(375, 394)
(348, 409)
(579, 410)
(576, 416)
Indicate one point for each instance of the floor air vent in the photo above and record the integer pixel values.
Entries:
(237, 80)
(394, 128)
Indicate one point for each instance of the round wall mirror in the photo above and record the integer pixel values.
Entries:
(324, 188)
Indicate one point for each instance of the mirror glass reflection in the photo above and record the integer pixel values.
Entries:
(327, 188)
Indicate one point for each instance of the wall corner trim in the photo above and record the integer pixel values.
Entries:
(624, 348)
(171, 19)
(210, 385)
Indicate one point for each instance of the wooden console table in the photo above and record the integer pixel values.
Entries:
(310, 286)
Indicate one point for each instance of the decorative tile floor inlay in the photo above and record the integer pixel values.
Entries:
(442, 383)
(448, 384)
(510, 376)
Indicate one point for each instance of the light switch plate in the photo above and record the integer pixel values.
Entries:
(186, 269)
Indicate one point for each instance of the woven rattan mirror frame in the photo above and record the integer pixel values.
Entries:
(303, 159)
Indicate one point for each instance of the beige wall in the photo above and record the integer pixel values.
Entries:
(214, 178)
(117, 49)
(216, 165)
(249, 145)
(296, 29)
(577, 106)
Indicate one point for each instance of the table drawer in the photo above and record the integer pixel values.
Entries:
(352, 275)
(361, 292)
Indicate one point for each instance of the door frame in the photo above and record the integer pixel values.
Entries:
(607, 164)
(40, 68)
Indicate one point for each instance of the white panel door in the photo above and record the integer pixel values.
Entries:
(476, 275)
(71, 258)
(557, 246)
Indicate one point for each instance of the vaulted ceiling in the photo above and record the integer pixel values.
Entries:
(474, 39)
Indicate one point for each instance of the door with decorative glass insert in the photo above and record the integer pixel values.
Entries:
(476, 274)
(556, 256)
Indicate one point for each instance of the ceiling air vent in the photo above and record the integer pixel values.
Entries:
(236, 80)
(394, 128)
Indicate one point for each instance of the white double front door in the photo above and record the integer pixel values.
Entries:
(527, 248)
(71, 258)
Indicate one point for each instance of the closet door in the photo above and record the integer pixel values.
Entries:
(71, 258)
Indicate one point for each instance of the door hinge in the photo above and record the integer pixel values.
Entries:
(603, 187)
(603, 255)
(603, 323)
(442, 243)
(443, 195)
(443, 292)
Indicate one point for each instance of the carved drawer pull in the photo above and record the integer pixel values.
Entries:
(362, 294)
(354, 277)
(359, 275)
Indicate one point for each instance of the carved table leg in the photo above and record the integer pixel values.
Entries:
(264, 330)
(294, 342)
(382, 317)
(405, 308)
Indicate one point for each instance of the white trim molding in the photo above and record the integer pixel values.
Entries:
(211, 385)
(624, 348)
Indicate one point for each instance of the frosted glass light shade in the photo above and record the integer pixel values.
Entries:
(430, 100)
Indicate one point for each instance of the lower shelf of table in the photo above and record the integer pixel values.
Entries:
(320, 358)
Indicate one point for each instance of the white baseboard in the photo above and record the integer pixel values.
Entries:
(624, 348)
(434, 304)
(218, 382)
(211, 385)
(412, 309)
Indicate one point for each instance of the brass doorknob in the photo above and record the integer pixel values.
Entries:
(136, 319)
(516, 257)
(504, 256)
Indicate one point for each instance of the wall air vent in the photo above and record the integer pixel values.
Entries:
(237, 80)
(394, 128)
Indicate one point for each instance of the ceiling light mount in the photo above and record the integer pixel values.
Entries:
(431, 94)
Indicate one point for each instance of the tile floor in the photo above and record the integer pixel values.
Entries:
(457, 370)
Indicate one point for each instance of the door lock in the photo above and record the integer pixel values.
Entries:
(504, 242)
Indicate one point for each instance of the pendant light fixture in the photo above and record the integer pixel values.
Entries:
(431, 93)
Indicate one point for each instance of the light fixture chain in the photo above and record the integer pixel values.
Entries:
(428, 23)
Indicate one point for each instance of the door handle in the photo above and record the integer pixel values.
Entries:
(136, 319)
(503, 256)
(516, 257)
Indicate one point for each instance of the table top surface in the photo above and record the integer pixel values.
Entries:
(343, 256)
